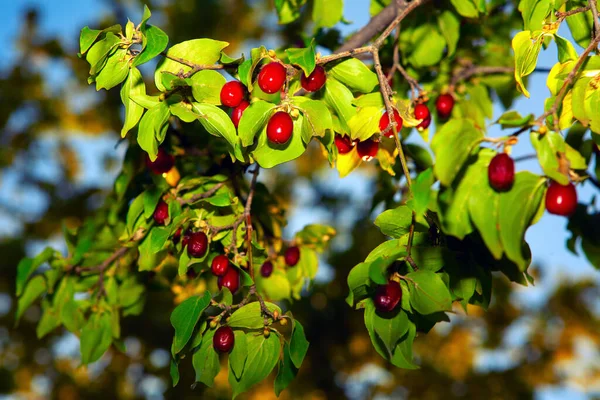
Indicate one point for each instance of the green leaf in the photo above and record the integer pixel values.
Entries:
(88, 36)
(526, 55)
(298, 344)
(99, 52)
(340, 98)
(250, 316)
(206, 360)
(527, 191)
(218, 123)
(253, 121)
(566, 51)
(547, 147)
(365, 123)
(358, 282)
(153, 126)
(156, 42)
(269, 155)
(390, 328)
(206, 86)
(428, 292)
(133, 85)
(33, 290)
(130, 292)
(402, 357)
(304, 58)
(96, 337)
(27, 266)
(369, 317)
(174, 371)
(185, 317)
(327, 13)
(428, 46)
(276, 287)
(466, 8)
(512, 119)
(451, 146)
(263, 354)
(534, 13)
(239, 354)
(288, 10)
(286, 371)
(158, 237)
(151, 198)
(49, 321)
(197, 51)
(449, 26)
(422, 191)
(145, 17)
(355, 74)
(134, 212)
(480, 98)
(115, 71)
(395, 222)
(317, 118)
(580, 24)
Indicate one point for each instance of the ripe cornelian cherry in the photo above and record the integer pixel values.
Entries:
(367, 149)
(161, 213)
(343, 143)
(384, 123)
(163, 163)
(501, 172)
(280, 127)
(224, 339)
(561, 199)
(292, 256)
(315, 80)
(444, 105)
(422, 112)
(387, 296)
(219, 265)
(232, 93)
(231, 280)
(271, 77)
(266, 269)
(197, 244)
(186, 237)
(236, 113)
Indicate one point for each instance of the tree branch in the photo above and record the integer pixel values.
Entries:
(200, 196)
(594, 9)
(194, 67)
(562, 15)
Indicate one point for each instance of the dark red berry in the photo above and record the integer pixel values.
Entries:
(444, 105)
(422, 112)
(501, 172)
(280, 128)
(367, 149)
(177, 235)
(191, 273)
(231, 280)
(186, 237)
(387, 296)
(232, 94)
(224, 339)
(343, 143)
(561, 199)
(271, 77)
(197, 244)
(315, 80)
(163, 163)
(384, 123)
(292, 256)
(220, 265)
(236, 114)
(266, 269)
(161, 213)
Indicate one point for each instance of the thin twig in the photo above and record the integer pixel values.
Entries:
(594, 9)
(200, 196)
(561, 15)
(194, 67)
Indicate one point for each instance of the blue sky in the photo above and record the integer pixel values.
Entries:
(64, 18)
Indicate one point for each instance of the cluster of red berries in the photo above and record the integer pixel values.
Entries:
(291, 257)
(227, 275)
(233, 94)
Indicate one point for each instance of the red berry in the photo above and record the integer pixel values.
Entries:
(232, 94)
(224, 339)
(236, 114)
(561, 199)
(387, 296)
(163, 163)
(292, 256)
(197, 244)
(161, 213)
(501, 172)
(444, 105)
(315, 80)
(191, 273)
(177, 235)
(266, 269)
(343, 143)
(280, 128)
(384, 123)
(271, 77)
(422, 112)
(367, 149)
(186, 237)
(220, 265)
(231, 280)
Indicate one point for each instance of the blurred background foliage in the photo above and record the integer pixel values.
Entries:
(59, 154)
